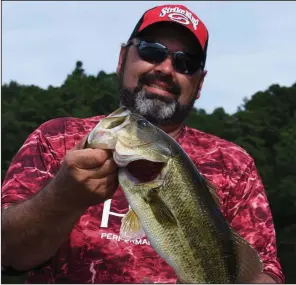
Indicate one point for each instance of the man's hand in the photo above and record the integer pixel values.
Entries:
(86, 177)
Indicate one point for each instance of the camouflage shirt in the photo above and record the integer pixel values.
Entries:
(94, 253)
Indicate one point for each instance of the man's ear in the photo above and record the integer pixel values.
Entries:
(122, 54)
(201, 81)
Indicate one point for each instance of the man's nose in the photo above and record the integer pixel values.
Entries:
(166, 66)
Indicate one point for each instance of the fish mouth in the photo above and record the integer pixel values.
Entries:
(139, 167)
(143, 170)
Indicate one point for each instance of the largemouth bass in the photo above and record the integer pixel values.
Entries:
(179, 210)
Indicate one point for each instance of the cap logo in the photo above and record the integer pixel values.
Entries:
(179, 15)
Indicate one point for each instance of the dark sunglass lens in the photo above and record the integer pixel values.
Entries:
(186, 64)
(152, 52)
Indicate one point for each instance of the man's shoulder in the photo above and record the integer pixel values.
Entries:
(68, 125)
(61, 134)
(208, 147)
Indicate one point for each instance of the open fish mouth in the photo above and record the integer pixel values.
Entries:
(143, 170)
(140, 167)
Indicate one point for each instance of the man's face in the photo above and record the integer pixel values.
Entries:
(156, 90)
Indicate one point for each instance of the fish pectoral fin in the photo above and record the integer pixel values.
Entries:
(160, 210)
(249, 262)
(131, 227)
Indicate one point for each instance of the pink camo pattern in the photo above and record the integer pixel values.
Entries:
(94, 252)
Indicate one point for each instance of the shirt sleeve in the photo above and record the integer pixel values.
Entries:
(250, 215)
(30, 170)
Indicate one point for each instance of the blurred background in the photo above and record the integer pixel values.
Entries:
(59, 59)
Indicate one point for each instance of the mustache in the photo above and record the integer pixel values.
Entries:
(152, 78)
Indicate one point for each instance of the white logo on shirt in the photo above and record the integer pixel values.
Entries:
(104, 224)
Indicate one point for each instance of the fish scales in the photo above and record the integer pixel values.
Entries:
(182, 197)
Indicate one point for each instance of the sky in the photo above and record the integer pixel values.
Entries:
(252, 44)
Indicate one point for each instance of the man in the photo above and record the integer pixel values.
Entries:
(62, 204)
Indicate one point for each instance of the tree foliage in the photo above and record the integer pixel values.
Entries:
(265, 125)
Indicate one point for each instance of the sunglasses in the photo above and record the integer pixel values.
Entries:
(156, 53)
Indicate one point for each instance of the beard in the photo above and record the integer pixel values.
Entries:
(159, 110)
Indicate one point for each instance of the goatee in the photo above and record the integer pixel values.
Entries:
(159, 110)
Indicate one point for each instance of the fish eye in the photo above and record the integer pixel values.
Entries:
(142, 123)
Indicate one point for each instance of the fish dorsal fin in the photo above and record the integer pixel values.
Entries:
(249, 263)
(131, 227)
(212, 189)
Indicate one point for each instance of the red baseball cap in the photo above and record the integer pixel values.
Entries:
(178, 14)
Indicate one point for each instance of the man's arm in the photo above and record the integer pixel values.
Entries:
(35, 229)
(36, 222)
(249, 214)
